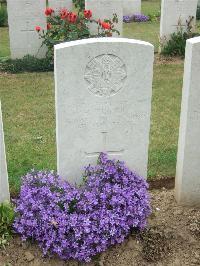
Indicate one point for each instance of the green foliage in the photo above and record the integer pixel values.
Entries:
(198, 13)
(154, 16)
(6, 221)
(27, 64)
(3, 16)
(176, 45)
(80, 4)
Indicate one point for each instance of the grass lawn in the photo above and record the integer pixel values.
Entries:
(29, 118)
(4, 42)
(146, 31)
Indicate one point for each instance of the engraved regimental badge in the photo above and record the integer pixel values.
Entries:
(105, 75)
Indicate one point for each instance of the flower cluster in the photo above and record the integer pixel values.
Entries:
(79, 222)
(135, 18)
(66, 26)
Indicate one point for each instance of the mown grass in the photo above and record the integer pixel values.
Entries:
(4, 42)
(29, 120)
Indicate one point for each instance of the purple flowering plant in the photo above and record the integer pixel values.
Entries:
(135, 18)
(79, 222)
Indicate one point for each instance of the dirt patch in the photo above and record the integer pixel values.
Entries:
(160, 59)
(172, 238)
(162, 183)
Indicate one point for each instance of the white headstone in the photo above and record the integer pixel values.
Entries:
(174, 12)
(104, 9)
(103, 103)
(188, 160)
(131, 7)
(23, 16)
(4, 187)
(58, 4)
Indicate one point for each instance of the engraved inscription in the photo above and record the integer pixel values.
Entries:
(105, 75)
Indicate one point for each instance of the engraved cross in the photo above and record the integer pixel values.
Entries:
(104, 147)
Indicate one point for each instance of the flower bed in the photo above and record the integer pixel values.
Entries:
(135, 18)
(80, 222)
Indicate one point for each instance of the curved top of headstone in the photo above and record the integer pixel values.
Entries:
(194, 40)
(101, 40)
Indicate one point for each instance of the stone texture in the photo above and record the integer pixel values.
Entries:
(23, 16)
(131, 7)
(103, 103)
(4, 187)
(58, 4)
(104, 9)
(188, 158)
(174, 11)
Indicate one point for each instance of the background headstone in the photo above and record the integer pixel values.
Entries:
(173, 12)
(4, 187)
(23, 16)
(103, 103)
(104, 9)
(58, 4)
(131, 7)
(188, 160)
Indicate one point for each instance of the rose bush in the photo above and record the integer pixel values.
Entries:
(79, 222)
(66, 26)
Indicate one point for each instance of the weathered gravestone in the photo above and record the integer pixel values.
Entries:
(103, 103)
(104, 9)
(188, 160)
(173, 13)
(23, 16)
(131, 7)
(58, 4)
(4, 187)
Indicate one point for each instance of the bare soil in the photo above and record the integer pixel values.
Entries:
(172, 238)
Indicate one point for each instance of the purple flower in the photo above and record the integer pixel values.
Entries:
(135, 18)
(80, 222)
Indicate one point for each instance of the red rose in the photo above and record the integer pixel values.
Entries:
(87, 14)
(48, 26)
(64, 13)
(106, 25)
(48, 11)
(72, 17)
(38, 28)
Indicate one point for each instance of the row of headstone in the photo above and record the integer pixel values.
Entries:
(103, 104)
(174, 14)
(24, 15)
(4, 187)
